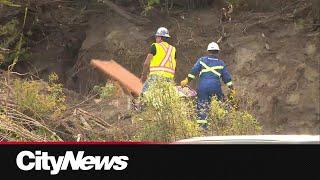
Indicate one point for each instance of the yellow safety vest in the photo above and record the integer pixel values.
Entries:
(164, 62)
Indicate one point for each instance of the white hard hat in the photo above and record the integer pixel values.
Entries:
(163, 32)
(213, 47)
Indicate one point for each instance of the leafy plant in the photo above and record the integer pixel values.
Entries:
(165, 116)
(106, 91)
(225, 119)
(147, 5)
(233, 2)
(10, 35)
(13, 40)
(37, 100)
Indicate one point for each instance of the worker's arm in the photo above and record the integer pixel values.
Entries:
(146, 66)
(226, 77)
(193, 73)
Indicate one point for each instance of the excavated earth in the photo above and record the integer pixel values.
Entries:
(272, 56)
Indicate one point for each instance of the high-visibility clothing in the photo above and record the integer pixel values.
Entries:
(202, 121)
(210, 70)
(210, 67)
(164, 62)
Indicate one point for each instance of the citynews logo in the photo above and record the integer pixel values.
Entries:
(42, 161)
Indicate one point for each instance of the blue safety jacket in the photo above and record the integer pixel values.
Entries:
(212, 69)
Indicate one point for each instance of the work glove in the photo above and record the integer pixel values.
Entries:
(184, 82)
(233, 93)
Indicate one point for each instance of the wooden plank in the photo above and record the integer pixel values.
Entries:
(126, 79)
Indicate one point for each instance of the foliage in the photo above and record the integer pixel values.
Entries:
(39, 101)
(55, 90)
(10, 35)
(9, 3)
(147, 5)
(13, 41)
(152, 2)
(234, 2)
(29, 103)
(225, 119)
(106, 91)
(166, 116)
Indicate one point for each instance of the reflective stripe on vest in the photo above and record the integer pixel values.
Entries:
(168, 55)
(159, 68)
(162, 66)
(210, 69)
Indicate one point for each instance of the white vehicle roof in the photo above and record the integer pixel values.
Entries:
(253, 139)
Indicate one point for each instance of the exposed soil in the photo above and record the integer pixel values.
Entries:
(273, 56)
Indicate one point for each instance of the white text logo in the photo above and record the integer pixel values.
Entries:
(42, 161)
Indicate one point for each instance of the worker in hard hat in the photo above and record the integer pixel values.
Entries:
(210, 70)
(160, 61)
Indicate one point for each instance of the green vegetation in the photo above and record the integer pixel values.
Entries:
(147, 5)
(39, 101)
(165, 116)
(24, 115)
(12, 46)
(9, 3)
(227, 120)
(106, 91)
(38, 111)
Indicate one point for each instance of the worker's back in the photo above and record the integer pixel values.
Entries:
(163, 62)
(211, 61)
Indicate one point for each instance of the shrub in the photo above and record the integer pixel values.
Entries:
(225, 119)
(106, 91)
(38, 100)
(14, 41)
(147, 5)
(166, 116)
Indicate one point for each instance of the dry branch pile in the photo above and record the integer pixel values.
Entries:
(20, 123)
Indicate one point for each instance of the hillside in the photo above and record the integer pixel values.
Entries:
(272, 52)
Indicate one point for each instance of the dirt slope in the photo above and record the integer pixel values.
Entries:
(272, 56)
(276, 61)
